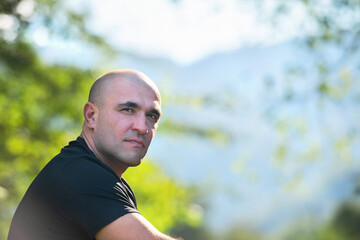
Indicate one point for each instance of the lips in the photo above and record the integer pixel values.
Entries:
(136, 141)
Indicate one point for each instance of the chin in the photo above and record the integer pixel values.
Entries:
(135, 164)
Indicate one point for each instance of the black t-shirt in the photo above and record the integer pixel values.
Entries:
(73, 197)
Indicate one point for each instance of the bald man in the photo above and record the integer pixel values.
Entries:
(80, 193)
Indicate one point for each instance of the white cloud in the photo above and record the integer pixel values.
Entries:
(190, 29)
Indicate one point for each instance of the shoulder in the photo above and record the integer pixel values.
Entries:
(74, 171)
(77, 162)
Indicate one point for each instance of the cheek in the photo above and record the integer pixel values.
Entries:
(106, 128)
(120, 126)
(151, 134)
(113, 122)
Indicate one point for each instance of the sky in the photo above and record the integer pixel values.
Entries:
(188, 30)
(184, 31)
(181, 30)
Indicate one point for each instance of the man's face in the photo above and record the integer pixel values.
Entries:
(126, 122)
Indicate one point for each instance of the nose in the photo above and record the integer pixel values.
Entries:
(139, 124)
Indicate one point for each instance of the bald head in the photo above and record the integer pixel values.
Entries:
(121, 118)
(103, 84)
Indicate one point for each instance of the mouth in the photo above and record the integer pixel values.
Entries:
(135, 141)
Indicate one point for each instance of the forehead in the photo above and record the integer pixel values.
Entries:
(123, 90)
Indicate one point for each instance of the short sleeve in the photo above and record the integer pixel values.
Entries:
(93, 196)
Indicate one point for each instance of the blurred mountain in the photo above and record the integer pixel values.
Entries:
(239, 95)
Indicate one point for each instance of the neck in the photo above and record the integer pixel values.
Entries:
(119, 170)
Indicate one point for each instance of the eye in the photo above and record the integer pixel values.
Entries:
(153, 117)
(127, 110)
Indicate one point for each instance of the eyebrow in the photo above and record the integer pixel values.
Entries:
(156, 112)
(130, 104)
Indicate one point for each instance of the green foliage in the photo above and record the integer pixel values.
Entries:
(172, 126)
(41, 111)
(160, 199)
(41, 108)
(346, 220)
(330, 80)
(241, 233)
(56, 17)
(344, 225)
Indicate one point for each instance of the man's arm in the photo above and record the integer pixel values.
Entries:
(131, 226)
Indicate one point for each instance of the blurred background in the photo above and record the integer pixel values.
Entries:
(260, 136)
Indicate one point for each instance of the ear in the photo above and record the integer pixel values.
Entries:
(90, 115)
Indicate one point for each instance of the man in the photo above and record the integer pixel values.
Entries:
(80, 194)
